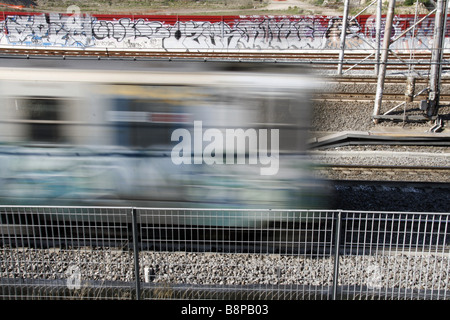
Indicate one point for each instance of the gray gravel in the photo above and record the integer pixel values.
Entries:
(394, 270)
(382, 157)
(374, 197)
(338, 116)
(384, 148)
(334, 117)
(356, 116)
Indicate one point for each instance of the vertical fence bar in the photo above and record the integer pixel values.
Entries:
(136, 252)
(337, 240)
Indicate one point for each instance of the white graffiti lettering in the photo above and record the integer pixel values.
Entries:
(245, 32)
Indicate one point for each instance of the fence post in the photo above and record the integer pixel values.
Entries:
(136, 252)
(337, 240)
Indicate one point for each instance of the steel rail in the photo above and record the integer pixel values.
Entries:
(357, 96)
(327, 60)
(387, 167)
(387, 173)
(421, 58)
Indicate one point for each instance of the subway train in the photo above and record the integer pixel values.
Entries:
(157, 134)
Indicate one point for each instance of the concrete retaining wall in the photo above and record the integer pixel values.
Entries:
(200, 33)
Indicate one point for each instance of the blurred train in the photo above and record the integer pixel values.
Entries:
(93, 133)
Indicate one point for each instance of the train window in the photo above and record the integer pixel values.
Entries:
(41, 116)
(142, 123)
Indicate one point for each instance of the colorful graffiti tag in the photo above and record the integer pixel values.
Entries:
(205, 32)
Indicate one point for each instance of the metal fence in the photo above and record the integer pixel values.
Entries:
(147, 253)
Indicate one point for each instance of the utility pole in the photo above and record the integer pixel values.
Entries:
(343, 34)
(436, 59)
(384, 58)
(378, 36)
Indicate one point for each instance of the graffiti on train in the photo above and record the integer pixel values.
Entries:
(208, 33)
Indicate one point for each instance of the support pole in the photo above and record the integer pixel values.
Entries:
(436, 58)
(343, 34)
(378, 37)
(337, 242)
(384, 58)
(135, 233)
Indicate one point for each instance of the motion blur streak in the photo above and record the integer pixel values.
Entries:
(74, 136)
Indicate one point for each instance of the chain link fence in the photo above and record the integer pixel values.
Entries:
(147, 253)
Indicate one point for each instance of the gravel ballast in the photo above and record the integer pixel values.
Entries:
(337, 116)
(396, 270)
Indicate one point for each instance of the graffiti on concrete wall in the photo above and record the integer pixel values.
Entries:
(228, 33)
(47, 30)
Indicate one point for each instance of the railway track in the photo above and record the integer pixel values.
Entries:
(364, 97)
(382, 173)
(324, 60)
(358, 88)
(368, 96)
(355, 79)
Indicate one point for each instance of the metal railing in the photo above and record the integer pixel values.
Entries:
(148, 253)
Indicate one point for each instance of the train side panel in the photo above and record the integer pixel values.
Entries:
(95, 141)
